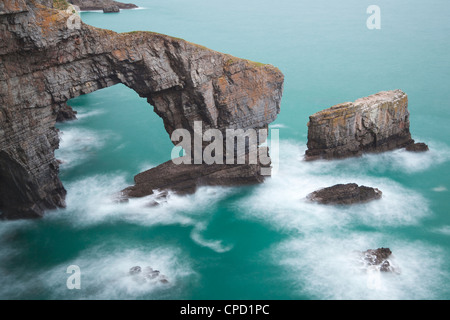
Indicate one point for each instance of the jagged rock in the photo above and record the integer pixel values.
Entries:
(345, 194)
(148, 274)
(111, 9)
(376, 123)
(417, 147)
(186, 178)
(164, 280)
(378, 258)
(101, 4)
(45, 61)
(65, 113)
(135, 270)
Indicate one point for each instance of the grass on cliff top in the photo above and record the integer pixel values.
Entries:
(167, 36)
(60, 4)
(230, 61)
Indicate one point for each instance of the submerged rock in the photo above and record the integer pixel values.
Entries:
(417, 147)
(379, 259)
(345, 194)
(135, 270)
(148, 274)
(376, 123)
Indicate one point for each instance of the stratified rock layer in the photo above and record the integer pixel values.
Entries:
(48, 57)
(376, 123)
(186, 178)
(349, 193)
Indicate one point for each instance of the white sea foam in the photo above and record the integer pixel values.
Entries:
(77, 145)
(319, 256)
(215, 245)
(105, 273)
(406, 161)
(323, 266)
(440, 189)
(277, 126)
(84, 114)
(445, 230)
(93, 200)
(281, 200)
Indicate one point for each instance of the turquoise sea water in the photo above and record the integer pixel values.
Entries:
(262, 242)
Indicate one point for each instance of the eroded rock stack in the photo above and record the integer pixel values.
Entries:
(45, 60)
(376, 123)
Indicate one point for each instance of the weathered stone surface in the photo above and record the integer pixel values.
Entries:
(345, 194)
(417, 147)
(12, 6)
(101, 4)
(44, 61)
(110, 9)
(186, 178)
(376, 123)
(65, 113)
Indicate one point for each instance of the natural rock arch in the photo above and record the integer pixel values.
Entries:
(44, 62)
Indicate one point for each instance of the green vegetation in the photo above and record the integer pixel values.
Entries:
(258, 64)
(60, 4)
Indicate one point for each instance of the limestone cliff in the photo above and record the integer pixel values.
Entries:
(376, 123)
(48, 57)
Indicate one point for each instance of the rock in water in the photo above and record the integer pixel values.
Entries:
(110, 9)
(186, 178)
(379, 258)
(345, 194)
(135, 270)
(101, 4)
(48, 58)
(417, 147)
(65, 113)
(376, 123)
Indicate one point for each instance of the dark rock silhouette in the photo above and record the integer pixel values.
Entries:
(417, 147)
(379, 259)
(344, 194)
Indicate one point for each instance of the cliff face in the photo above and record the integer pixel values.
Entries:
(376, 123)
(45, 60)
